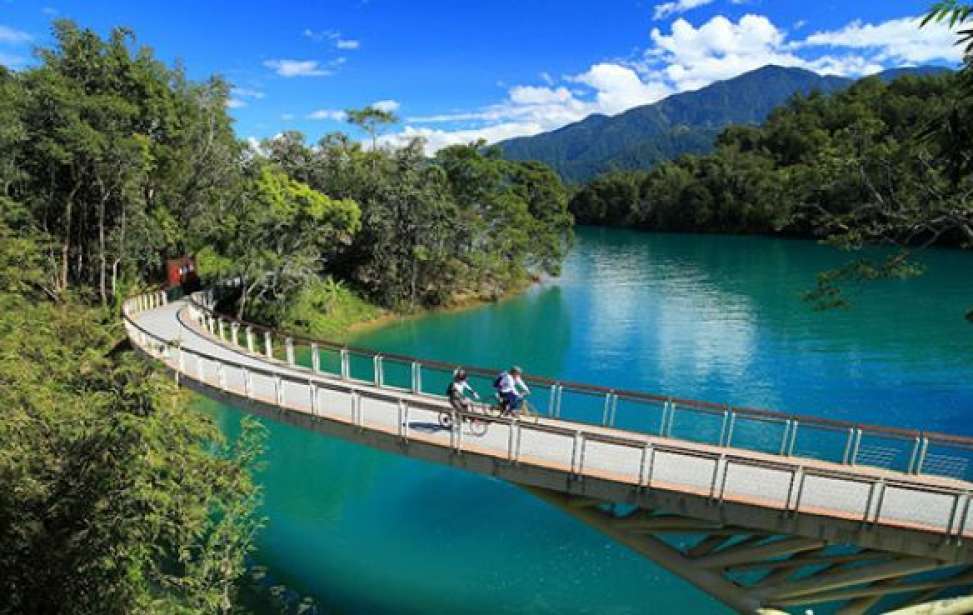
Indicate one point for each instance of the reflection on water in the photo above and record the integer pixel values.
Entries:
(716, 318)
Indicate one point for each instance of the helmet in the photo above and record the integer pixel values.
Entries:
(516, 370)
(459, 374)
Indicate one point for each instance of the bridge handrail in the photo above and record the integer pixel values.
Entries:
(954, 526)
(703, 406)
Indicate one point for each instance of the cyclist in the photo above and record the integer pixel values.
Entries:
(457, 390)
(512, 389)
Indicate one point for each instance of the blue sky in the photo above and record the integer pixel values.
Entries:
(455, 71)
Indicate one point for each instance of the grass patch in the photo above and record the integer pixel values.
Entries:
(329, 310)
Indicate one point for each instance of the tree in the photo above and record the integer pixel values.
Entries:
(371, 119)
(279, 237)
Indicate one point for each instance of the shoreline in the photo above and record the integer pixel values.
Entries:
(460, 303)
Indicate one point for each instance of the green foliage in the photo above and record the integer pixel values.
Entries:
(113, 497)
(327, 309)
(371, 119)
(878, 163)
(466, 222)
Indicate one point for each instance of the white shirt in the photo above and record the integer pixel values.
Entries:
(461, 386)
(509, 383)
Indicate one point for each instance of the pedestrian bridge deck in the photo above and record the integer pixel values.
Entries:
(921, 514)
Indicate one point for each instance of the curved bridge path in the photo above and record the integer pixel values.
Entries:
(866, 531)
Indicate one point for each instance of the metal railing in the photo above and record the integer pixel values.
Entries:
(902, 450)
(648, 464)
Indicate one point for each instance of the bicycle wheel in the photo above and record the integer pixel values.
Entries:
(445, 420)
(478, 427)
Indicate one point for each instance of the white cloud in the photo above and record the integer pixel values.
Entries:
(389, 106)
(897, 41)
(246, 93)
(620, 87)
(235, 103)
(677, 6)
(328, 114)
(51, 11)
(687, 57)
(438, 139)
(13, 37)
(287, 116)
(334, 36)
(297, 68)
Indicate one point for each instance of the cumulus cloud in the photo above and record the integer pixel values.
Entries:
(620, 87)
(342, 43)
(235, 103)
(677, 6)
(898, 41)
(11, 36)
(328, 114)
(389, 106)
(687, 57)
(297, 68)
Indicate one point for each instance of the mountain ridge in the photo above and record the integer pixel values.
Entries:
(684, 123)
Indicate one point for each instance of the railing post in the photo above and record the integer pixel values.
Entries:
(268, 345)
(551, 399)
(790, 448)
(235, 333)
(289, 350)
(250, 340)
(222, 328)
(345, 364)
(922, 455)
(729, 430)
(848, 442)
(725, 424)
(315, 358)
(314, 397)
(672, 416)
(913, 455)
(416, 377)
(855, 447)
(786, 437)
(604, 414)
(378, 370)
(560, 394)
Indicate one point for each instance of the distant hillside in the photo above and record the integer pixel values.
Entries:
(681, 124)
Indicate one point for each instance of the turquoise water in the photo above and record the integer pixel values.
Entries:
(709, 317)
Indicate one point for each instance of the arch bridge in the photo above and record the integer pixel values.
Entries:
(765, 511)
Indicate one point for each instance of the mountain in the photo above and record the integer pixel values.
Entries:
(683, 123)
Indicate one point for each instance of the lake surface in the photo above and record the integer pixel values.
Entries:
(707, 317)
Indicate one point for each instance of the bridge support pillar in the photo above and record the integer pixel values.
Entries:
(754, 571)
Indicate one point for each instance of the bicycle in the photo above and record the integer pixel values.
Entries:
(478, 426)
(500, 409)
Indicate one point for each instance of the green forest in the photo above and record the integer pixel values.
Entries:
(881, 163)
(115, 495)
(112, 489)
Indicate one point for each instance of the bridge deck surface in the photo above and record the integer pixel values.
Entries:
(885, 497)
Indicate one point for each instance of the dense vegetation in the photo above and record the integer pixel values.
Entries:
(111, 491)
(878, 162)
